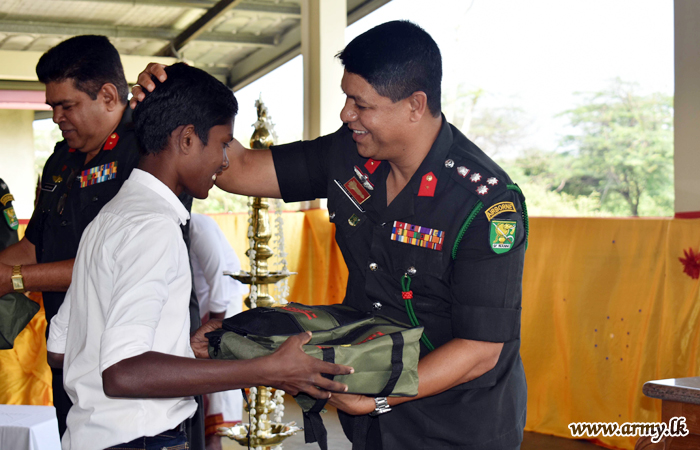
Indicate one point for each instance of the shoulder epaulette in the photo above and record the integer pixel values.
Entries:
(479, 181)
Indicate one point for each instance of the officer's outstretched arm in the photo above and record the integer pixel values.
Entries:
(54, 276)
(456, 362)
(251, 172)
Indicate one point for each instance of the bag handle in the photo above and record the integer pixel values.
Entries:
(314, 430)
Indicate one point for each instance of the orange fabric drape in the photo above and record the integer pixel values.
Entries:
(606, 307)
(25, 376)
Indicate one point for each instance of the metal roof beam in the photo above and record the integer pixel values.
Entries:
(165, 34)
(266, 60)
(288, 10)
(197, 27)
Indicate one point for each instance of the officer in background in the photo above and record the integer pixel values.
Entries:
(16, 310)
(432, 231)
(87, 90)
(8, 229)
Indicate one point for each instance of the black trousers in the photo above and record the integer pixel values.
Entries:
(61, 401)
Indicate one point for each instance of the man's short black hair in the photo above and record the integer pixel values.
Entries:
(90, 61)
(189, 96)
(397, 59)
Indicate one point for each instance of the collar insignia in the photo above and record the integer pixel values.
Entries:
(427, 185)
(371, 165)
(111, 141)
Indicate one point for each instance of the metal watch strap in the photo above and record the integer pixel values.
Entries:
(381, 406)
(17, 279)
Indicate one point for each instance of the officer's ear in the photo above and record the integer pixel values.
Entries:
(186, 139)
(418, 103)
(109, 95)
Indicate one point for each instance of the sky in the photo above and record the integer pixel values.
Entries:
(531, 54)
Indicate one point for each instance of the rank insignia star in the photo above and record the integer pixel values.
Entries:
(482, 190)
(475, 178)
(492, 181)
(463, 171)
(111, 141)
(57, 179)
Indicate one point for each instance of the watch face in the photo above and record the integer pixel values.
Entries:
(17, 283)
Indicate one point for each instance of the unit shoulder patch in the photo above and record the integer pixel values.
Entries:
(502, 236)
(11, 217)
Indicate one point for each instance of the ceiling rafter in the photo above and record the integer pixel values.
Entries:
(166, 34)
(283, 9)
(197, 27)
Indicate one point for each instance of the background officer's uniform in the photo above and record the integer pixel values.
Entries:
(464, 284)
(71, 195)
(8, 219)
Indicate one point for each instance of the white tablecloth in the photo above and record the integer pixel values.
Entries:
(24, 427)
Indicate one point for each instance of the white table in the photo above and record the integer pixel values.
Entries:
(24, 427)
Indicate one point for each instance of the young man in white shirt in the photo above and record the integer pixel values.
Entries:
(122, 335)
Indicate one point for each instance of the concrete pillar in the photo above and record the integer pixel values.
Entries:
(323, 25)
(687, 108)
(17, 158)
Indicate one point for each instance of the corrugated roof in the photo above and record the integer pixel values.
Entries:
(212, 35)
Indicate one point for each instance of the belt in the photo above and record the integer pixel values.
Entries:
(177, 429)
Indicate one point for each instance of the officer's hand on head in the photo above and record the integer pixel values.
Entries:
(293, 371)
(145, 82)
(199, 343)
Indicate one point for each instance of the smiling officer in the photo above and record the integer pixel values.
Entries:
(433, 232)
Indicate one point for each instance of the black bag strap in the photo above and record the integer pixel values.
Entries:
(396, 364)
(314, 430)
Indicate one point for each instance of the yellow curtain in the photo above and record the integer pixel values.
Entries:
(25, 377)
(606, 307)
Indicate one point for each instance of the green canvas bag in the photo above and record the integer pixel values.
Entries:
(383, 352)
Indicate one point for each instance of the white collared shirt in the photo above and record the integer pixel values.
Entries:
(129, 295)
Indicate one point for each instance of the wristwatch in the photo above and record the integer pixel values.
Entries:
(381, 406)
(17, 279)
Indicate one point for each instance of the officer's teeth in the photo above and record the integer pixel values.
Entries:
(359, 132)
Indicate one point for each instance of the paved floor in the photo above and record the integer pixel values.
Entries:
(338, 441)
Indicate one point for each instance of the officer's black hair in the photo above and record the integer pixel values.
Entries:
(397, 59)
(189, 96)
(90, 61)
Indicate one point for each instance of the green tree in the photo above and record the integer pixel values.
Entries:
(622, 148)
